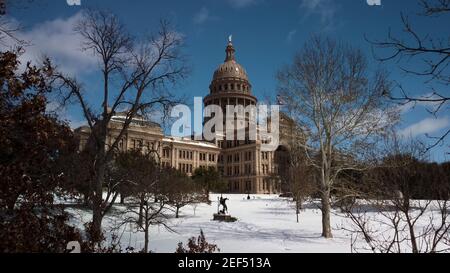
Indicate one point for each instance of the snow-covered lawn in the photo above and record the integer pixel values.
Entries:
(266, 223)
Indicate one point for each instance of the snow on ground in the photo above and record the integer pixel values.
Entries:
(267, 224)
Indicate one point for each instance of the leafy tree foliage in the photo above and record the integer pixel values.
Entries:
(209, 179)
(182, 190)
(32, 143)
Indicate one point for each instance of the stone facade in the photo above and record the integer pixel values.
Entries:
(243, 164)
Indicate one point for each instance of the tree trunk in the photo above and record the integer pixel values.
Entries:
(122, 199)
(86, 200)
(326, 210)
(141, 210)
(414, 246)
(298, 204)
(146, 231)
(207, 195)
(177, 213)
(97, 204)
(146, 240)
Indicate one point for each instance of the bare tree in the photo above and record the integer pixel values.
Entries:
(142, 215)
(435, 7)
(140, 71)
(420, 55)
(140, 173)
(296, 175)
(329, 90)
(389, 217)
(302, 185)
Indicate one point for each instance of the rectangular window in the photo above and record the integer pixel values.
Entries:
(248, 169)
(265, 169)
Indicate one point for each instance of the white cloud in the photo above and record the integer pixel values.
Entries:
(202, 16)
(324, 9)
(57, 40)
(242, 3)
(426, 126)
(291, 35)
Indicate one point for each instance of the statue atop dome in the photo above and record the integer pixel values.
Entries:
(230, 50)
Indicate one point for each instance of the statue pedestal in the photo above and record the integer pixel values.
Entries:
(224, 218)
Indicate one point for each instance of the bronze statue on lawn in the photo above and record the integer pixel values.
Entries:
(222, 214)
(222, 202)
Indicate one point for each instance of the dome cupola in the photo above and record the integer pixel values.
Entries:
(230, 76)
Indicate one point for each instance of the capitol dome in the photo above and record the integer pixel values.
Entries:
(230, 69)
(230, 76)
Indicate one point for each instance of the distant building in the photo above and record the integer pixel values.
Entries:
(243, 164)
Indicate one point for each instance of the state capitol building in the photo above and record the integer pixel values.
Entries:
(243, 164)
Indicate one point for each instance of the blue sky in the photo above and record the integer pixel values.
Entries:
(266, 34)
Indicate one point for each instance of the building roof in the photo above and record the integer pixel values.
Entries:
(188, 141)
(137, 120)
(230, 68)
